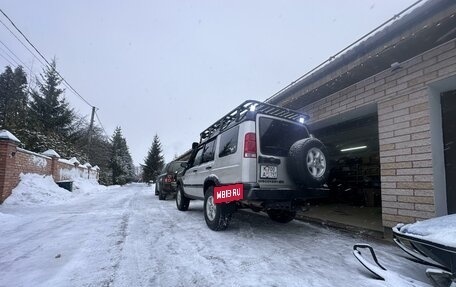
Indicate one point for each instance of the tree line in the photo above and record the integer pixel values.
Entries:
(42, 119)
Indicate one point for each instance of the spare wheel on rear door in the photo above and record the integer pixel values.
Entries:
(307, 162)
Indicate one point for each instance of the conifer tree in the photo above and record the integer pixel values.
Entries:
(13, 99)
(121, 161)
(50, 112)
(154, 162)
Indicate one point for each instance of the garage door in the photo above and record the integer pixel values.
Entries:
(448, 102)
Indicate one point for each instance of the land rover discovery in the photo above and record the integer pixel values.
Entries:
(258, 156)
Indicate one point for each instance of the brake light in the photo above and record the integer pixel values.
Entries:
(250, 149)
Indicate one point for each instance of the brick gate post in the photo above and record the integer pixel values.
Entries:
(8, 177)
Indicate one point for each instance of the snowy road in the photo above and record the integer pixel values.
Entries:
(125, 236)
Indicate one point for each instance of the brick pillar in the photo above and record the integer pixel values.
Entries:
(8, 178)
(55, 168)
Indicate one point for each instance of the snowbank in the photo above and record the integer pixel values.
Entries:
(440, 230)
(35, 189)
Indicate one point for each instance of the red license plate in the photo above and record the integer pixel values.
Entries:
(227, 193)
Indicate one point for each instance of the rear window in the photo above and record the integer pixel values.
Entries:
(175, 166)
(277, 136)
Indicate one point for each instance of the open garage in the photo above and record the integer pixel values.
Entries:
(385, 110)
(354, 179)
(448, 104)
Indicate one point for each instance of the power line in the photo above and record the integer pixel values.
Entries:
(41, 55)
(25, 46)
(20, 60)
(6, 59)
(11, 58)
(102, 127)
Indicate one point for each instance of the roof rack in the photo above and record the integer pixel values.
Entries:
(240, 112)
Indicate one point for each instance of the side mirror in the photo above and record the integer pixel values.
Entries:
(194, 145)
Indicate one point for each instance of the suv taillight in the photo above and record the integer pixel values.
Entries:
(250, 149)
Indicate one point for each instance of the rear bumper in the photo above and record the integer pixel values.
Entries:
(169, 187)
(254, 192)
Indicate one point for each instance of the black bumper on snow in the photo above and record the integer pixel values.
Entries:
(254, 192)
(169, 188)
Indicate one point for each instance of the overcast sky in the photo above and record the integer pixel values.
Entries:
(172, 68)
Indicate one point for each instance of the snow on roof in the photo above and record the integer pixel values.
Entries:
(88, 165)
(4, 134)
(64, 161)
(51, 153)
(74, 160)
(96, 167)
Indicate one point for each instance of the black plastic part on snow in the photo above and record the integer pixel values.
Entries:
(431, 253)
(366, 264)
(67, 184)
(247, 111)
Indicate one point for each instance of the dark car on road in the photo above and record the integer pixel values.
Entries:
(166, 182)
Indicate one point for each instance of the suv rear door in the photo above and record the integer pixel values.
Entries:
(275, 137)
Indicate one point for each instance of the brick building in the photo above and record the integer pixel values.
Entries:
(392, 98)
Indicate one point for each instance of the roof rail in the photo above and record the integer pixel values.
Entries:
(239, 113)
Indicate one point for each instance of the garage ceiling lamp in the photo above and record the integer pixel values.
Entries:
(302, 120)
(353, 148)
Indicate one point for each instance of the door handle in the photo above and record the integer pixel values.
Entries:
(209, 167)
(194, 170)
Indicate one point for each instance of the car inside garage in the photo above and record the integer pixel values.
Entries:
(354, 179)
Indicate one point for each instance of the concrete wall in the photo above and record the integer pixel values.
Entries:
(14, 161)
(403, 98)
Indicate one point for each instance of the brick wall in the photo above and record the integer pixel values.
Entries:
(403, 107)
(14, 161)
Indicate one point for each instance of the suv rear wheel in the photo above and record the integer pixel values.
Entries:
(282, 216)
(217, 216)
(182, 202)
(307, 162)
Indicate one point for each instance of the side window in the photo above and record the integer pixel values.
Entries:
(165, 168)
(228, 142)
(208, 153)
(198, 157)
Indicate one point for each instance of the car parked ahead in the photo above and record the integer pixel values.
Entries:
(166, 182)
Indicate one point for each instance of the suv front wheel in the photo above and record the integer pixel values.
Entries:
(217, 216)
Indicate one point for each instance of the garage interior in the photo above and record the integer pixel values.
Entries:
(448, 104)
(354, 180)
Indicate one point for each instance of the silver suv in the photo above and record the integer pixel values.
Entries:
(258, 156)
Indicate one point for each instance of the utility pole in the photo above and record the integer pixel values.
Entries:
(89, 133)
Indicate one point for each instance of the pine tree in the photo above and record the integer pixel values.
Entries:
(121, 161)
(13, 99)
(154, 162)
(50, 112)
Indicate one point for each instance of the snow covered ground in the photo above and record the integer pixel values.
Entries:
(125, 236)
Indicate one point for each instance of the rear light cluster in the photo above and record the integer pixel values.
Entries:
(250, 147)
